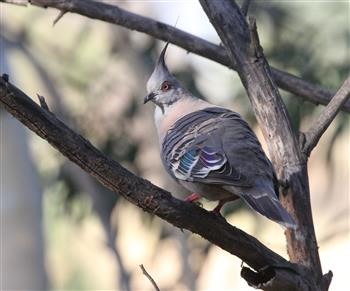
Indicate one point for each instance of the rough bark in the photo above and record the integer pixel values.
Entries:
(114, 14)
(242, 44)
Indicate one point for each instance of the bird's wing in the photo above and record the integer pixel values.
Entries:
(213, 146)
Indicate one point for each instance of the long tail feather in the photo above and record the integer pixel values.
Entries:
(271, 208)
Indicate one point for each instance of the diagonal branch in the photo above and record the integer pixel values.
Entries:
(320, 126)
(145, 195)
(149, 277)
(113, 14)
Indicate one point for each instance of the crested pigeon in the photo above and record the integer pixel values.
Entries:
(211, 150)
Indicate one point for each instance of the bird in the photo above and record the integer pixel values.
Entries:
(211, 150)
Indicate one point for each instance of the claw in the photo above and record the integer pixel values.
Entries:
(221, 204)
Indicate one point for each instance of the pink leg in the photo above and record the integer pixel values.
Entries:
(193, 197)
(219, 206)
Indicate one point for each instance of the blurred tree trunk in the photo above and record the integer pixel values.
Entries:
(22, 243)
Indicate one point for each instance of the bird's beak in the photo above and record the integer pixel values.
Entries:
(149, 97)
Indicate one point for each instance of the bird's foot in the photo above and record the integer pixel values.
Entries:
(218, 207)
(193, 197)
(216, 210)
(221, 203)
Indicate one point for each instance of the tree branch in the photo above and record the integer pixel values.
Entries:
(113, 14)
(42, 102)
(59, 17)
(149, 277)
(242, 43)
(142, 193)
(329, 113)
(17, 2)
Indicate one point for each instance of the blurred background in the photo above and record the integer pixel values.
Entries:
(61, 230)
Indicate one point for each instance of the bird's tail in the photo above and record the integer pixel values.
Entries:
(269, 206)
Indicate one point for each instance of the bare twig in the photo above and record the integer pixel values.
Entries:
(43, 103)
(139, 191)
(5, 77)
(59, 16)
(326, 117)
(144, 271)
(245, 7)
(187, 41)
(326, 280)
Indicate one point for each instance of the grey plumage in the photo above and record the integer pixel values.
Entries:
(211, 150)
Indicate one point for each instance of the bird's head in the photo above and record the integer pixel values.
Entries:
(163, 89)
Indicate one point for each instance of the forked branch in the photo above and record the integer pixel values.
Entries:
(326, 117)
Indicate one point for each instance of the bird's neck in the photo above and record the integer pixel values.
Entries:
(164, 120)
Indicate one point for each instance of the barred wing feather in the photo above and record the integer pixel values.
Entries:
(193, 149)
(197, 163)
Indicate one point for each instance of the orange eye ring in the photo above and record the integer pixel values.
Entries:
(165, 86)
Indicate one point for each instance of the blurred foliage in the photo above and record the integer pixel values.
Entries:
(94, 74)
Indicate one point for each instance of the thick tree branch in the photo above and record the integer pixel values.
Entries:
(319, 127)
(244, 49)
(189, 42)
(144, 194)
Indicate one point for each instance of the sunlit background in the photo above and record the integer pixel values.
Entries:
(61, 230)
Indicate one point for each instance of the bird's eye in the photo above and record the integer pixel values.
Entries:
(165, 86)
